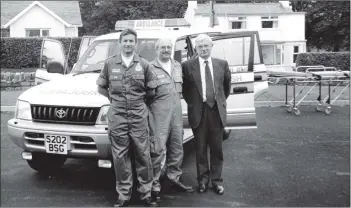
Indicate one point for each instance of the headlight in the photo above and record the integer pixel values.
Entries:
(23, 110)
(102, 117)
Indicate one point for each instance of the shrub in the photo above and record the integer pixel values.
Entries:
(25, 52)
(339, 60)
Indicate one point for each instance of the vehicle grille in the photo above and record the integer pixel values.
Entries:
(65, 115)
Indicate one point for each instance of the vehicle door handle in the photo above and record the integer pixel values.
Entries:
(239, 90)
(258, 78)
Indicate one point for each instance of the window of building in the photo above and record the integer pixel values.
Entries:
(296, 52)
(269, 22)
(5, 33)
(237, 23)
(272, 54)
(37, 32)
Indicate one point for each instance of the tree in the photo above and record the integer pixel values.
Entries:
(327, 23)
(86, 9)
(104, 14)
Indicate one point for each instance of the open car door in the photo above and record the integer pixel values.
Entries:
(52, 61)
(238, 49)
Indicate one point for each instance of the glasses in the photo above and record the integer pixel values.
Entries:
(203, 47)
(166, 48)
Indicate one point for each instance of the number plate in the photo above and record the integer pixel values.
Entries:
(56, 144)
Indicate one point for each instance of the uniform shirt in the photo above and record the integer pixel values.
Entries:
(127, 83)
(167, 86)
(203, 74)
(166, 66)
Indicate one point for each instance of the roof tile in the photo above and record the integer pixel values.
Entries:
(244, 8)
(67, 10)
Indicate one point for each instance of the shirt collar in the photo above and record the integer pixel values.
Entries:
(202, 61)
(119, 58)
(168, 62)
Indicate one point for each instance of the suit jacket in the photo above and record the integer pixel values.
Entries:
(192, 88)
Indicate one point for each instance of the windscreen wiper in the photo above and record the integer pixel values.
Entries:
(91, 71)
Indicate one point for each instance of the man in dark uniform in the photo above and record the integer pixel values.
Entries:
(125, 80)
(166, 120)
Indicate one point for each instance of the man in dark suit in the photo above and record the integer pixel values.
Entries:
(206, 86)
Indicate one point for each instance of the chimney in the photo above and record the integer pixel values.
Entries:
(285, 4)
(190, 12)
(192, 4)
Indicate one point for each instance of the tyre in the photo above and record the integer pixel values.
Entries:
(289, 108)
(319, 107)
(328, 110)
(296, 111)
(46, 163)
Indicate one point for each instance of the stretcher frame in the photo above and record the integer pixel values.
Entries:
(314, 75)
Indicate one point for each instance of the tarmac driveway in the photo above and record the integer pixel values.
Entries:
(288, 161)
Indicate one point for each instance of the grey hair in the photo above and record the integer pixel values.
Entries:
(202, 37)
(159, 40)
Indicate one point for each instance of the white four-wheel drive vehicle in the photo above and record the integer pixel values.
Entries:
(65, 116)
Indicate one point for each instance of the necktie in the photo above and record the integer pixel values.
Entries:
(210, 95)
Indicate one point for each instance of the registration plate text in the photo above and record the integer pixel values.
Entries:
(56, 144)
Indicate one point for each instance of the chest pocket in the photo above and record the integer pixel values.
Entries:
(139, 81)
(116, 83)
(163, 81)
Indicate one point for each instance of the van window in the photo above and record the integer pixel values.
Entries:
(181, 51)
(235, 50)
(97, 53)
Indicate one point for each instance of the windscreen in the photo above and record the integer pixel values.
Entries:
(97, 53)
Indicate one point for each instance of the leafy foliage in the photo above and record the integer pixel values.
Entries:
(99, 17)
(25, 52)
(339, 60)
(327, 23)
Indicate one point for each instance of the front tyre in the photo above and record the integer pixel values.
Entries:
(46, 163)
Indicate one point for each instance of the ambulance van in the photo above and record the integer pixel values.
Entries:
(65, 117)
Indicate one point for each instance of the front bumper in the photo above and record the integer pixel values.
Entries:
(85, 141)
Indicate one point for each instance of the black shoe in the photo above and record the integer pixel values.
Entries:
(202, 188)
(183, 187)
(156, 196)
(121, 203)
(218, 189)
(148, 202)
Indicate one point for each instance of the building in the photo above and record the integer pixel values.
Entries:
(282, 31)
(40, 18)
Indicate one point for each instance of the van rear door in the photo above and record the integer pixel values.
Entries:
(238, 49)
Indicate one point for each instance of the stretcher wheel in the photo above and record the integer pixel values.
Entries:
(319, 107)
(289, 108)
(296, 111)
(328, 110)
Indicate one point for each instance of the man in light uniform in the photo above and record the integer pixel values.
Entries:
(165, 119)
(125, 80)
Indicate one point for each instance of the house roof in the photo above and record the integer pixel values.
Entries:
(244, 8)
(67, 11)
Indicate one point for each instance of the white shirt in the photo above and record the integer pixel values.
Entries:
(127, 60)
(166, 66)
(203, 74)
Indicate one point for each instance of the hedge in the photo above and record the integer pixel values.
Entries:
(25, 52)
(339, 60)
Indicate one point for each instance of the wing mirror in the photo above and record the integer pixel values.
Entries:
(55, 67)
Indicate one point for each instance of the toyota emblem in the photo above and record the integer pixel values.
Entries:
(60, 114)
